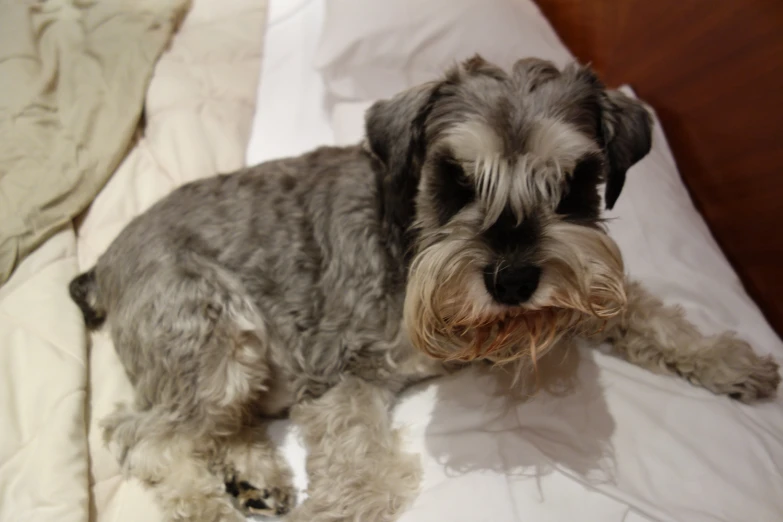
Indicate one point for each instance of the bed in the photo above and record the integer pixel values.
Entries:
(242, 83)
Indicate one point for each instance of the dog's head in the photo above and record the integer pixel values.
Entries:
(496, 175)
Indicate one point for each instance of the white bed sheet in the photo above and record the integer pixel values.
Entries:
(623, 445)
(291, 116)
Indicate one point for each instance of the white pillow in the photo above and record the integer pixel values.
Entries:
(372, 49)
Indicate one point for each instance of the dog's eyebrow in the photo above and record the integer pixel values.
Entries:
(553, 140)
(472, 140)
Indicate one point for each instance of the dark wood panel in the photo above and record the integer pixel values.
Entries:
(713, 69)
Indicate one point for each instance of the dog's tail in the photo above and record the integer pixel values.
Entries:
(84, 292)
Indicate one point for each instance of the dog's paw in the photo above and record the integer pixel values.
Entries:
(268, 502)
(739, 372)
(761, 383)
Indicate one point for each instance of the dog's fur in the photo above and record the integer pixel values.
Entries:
(466, 227)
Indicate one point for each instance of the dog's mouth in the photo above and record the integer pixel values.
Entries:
(511, 334)
(487, 338)
(514, 335)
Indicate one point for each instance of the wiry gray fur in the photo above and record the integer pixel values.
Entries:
(281, 289)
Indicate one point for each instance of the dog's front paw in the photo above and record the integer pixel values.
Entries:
(269, 502)
(739, 372)
(761, 383)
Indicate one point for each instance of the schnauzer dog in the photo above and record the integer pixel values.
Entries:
(467, 227)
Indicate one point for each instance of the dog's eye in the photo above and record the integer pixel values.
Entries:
(580, 200)
(451, 187)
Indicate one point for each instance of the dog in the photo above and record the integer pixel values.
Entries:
(466, 227)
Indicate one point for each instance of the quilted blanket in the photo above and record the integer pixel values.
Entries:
(56, 383)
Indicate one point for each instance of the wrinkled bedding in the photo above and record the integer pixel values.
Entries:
(72, 81)
(198, 110)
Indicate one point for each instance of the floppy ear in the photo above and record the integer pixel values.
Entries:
(627, 131)
(395, 135)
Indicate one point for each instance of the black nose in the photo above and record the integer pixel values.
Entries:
(512, 285)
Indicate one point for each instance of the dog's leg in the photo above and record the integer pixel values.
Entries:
(658, 337)
(356, 467)
(257, 475)
(177, 468)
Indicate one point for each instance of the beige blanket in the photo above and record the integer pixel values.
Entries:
(56, 385)
(73, 74)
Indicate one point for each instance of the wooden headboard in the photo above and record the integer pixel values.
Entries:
(713, 71)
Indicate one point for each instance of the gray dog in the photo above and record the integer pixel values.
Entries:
(466, 228)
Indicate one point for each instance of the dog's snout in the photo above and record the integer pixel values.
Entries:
(512, 286)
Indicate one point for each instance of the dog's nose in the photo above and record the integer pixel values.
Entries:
(512, 286)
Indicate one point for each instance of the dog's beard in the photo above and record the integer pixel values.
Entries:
(450, 316)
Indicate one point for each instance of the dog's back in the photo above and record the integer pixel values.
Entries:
(290, 257)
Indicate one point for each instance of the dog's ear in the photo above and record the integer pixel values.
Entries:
(391, 125)
(395, 135)
(627, 132)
